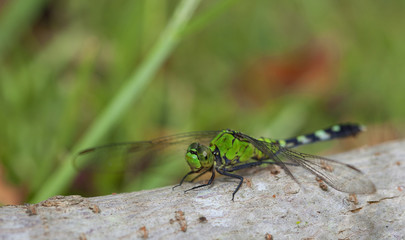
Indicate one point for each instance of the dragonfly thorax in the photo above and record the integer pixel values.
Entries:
(199, 156)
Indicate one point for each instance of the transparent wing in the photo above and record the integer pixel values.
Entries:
(340, 176)
(133, 165)
(122, 155)
(271, 151)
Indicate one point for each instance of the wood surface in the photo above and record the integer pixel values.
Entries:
(269, 204)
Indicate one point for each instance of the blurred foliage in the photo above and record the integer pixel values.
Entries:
(268, 68)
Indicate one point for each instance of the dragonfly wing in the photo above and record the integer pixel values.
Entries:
(203, 137)
(342, 177)
(112, 153)
(132, 165)
(120, 155)
(270, 150)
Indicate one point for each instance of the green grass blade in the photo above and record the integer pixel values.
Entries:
(129, 92)
(208, 17)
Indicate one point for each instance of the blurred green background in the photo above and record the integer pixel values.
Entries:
(75, 74)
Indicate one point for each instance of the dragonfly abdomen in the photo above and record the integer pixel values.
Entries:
(333, 132)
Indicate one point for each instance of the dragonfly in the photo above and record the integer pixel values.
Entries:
(227, 151)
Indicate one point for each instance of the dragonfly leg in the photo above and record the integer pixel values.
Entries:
(182, 180)
(199, 175)
(206, 184)
(224, 172)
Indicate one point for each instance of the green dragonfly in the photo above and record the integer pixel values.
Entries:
(227, 151)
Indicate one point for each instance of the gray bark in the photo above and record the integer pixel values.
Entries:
(267, 203)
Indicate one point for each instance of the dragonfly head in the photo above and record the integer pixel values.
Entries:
(199, 156)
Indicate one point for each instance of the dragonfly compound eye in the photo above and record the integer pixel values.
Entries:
(192, 157)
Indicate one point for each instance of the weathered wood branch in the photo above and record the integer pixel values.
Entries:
(266, 204)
